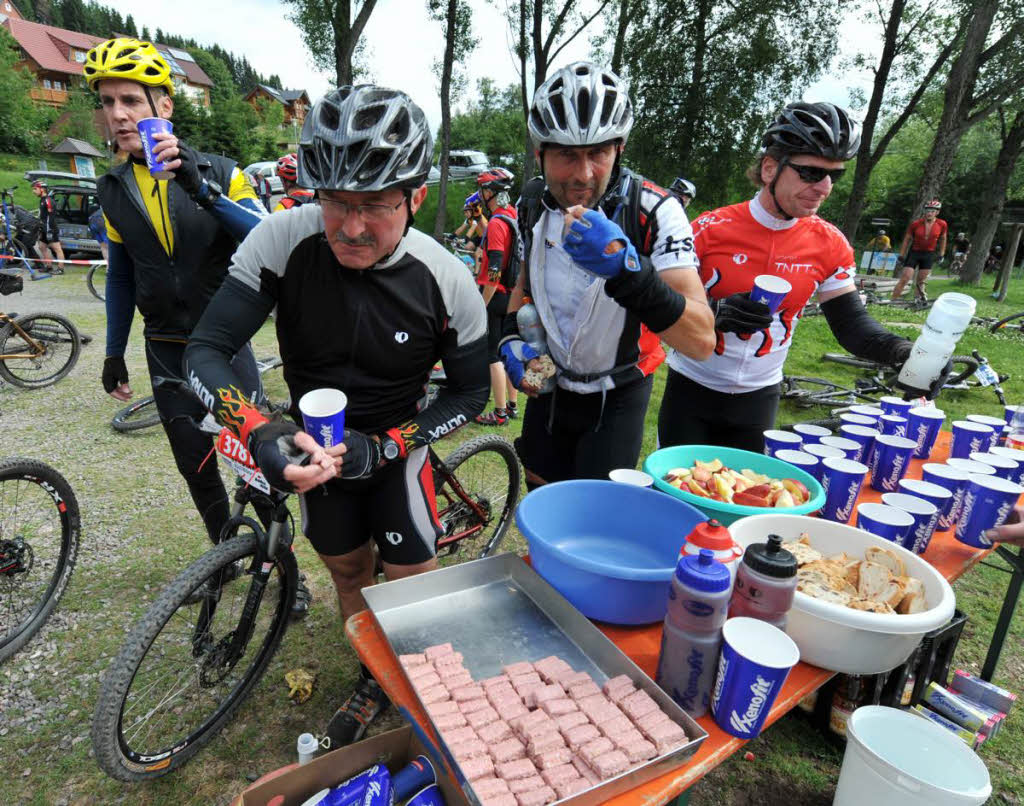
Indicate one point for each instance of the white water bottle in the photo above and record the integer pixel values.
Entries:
(946, 323)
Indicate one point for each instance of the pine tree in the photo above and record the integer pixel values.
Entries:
(129, 26)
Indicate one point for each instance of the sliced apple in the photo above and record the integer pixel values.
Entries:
(701, 473)
(723, 488)
(747, 500)
(697, 489)
(784, 499)
(798, 490)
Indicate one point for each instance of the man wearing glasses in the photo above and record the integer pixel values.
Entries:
(368, 306)
(732, 397)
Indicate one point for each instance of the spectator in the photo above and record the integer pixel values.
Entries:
(48, 246)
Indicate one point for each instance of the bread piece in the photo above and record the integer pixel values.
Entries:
(804, 553)
(824, 594)
(892, 594)
(912, 603)
(887, 557)
(870, 607)
(873, 580)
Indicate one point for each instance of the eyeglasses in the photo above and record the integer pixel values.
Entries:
(812, 174)
(367, 212)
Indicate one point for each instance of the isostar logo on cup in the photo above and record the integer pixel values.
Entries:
(846, 510)
(759, 690)
(327, 435)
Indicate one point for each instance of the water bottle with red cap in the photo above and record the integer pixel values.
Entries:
(715, 537)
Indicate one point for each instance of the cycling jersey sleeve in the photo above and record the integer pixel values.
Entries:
(112, 234)
(120, 295)
(843, 264)
(671, 236)
(240, 187)
(238, 218)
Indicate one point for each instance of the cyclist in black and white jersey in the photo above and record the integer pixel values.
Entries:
(368, 306)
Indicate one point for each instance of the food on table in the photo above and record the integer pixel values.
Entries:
(745, 487)
(878, 583)
(538, 732)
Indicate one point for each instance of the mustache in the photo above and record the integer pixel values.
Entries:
(363, 240)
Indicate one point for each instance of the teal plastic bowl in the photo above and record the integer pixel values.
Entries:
(660, 462)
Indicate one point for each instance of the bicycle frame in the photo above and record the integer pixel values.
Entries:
(38, 348)
(441, 472)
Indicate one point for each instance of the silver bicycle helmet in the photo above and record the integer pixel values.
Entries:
(580, 105)
(364, 139)
(683, 187)
(823, 129)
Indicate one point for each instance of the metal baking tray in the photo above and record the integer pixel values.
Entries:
(498, 611)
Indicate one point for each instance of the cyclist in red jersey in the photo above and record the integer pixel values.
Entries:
(294, 196)
(926, 238)
(733, 396)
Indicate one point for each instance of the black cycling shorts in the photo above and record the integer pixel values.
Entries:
(50, 234)
(396, 508)
(494, 321)
(920, 260)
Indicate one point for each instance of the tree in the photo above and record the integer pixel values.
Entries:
(145, 34)
(458, 42)
(78, 118)
(990, 208)
(493, 123)
(18, 116)
(74, 15)
(331, 34)
(129, 26)
(980, 80)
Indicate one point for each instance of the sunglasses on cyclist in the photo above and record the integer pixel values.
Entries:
(812, 174)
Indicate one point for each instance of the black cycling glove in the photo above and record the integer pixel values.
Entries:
(115, 373)
(187, 174)
(740, 314)
(363, 455)
(272, 446)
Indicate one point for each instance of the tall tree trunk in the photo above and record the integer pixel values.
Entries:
(446, 116)
(1008, 260)
(346, 36)
(528, 166)
(692, 111)
(990, 208)
(620, 35)
(959, 98)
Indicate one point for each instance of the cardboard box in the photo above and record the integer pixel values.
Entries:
(396, 748)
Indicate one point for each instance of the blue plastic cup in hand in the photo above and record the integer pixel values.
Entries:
(925, 515)
(893, 425)
(951, 479)
(923, 426)
(147, 128)
(849, 447)
(987, 503)
(810, 433)
(890, 462)
(755, 662)
(1004, 466)
(890, 404)
(969, 438)
(935, 494)
(770, 290)
(842, 480)
(864, 436)
(821, 453)
(323, 415)
(776, 440)
(887, 522)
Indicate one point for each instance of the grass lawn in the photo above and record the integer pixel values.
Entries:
(139, 530)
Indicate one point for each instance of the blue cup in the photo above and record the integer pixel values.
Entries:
(864, 436)
(822, 452)
(428, 796)
(987, 503)
(811, 434)
(1009, 412)
(874, 412)
(995, 423)
(147, 128)
(953, 480)
(969, 438)
(895, 405)
(1005, 467)
(770, 290)
(755, 662)
(776, 440)
(1012, 453)
(849, 447)
(323, 415)
(923, 426)
(887, 522)
(842, 480)
(849, 418)
(931, 492)
(890, 462)
(802, 459)
(892, 425)
(925, 515)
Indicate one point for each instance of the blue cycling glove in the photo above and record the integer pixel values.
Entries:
(515, 355)
(587, 239)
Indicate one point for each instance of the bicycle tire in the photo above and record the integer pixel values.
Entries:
(851, 361)
(52, 330)
(1007, 320)
(136, 416)
(90, 281)
(501, 473)
(964, 366)
(111, 747)
(19, 262)
(53, 490)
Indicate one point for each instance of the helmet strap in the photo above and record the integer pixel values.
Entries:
(149, 97)
(783, 162)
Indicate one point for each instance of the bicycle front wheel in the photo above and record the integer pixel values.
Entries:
(50, 344)
(189, 664)
(96, 279)
(477, 493)
(136, 416)
(13, 255)
(1010, 323)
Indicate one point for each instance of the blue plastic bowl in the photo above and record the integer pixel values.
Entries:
(660, 462)
(609, 548)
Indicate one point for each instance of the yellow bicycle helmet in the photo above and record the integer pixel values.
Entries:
(129, 59)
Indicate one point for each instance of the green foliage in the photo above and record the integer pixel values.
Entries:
(457, 192)
(493, 123)
(19, 117)
(78, 119)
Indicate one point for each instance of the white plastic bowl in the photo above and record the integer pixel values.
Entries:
(838, 638)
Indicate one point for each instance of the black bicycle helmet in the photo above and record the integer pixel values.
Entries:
(823, 129)
(364, 139)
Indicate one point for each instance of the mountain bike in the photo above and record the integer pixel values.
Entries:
(13, 252)
(96, 280)
(39, 531)
(37, 349)
(186, 668)
(463, 250)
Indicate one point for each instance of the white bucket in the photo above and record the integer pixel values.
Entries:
(894, 758)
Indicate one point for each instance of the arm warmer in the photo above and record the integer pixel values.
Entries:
(234, 314)
(860, 334)
(120, 298)
(237, 217)
(647, 296)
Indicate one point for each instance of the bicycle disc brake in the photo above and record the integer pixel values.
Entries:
(16, 557)
(218, 661)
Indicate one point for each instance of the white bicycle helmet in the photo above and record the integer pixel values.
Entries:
(364, 139)
(683, 187)
(580, 105)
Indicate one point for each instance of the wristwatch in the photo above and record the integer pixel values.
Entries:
(209, 192)
(390, 448)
